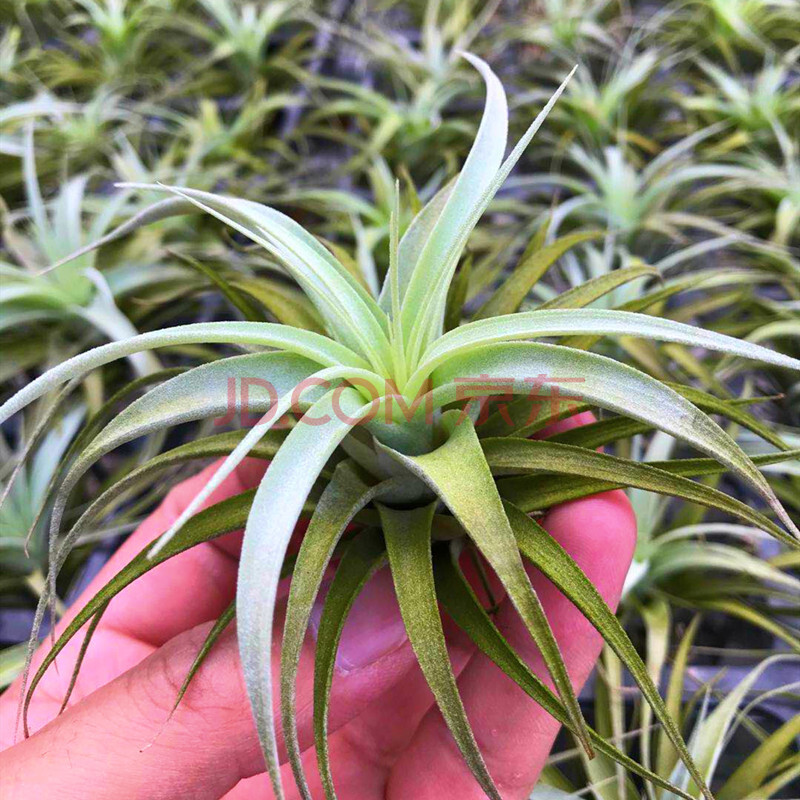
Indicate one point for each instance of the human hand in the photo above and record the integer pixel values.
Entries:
(387, 738)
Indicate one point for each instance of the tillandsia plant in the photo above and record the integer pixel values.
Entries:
(714, 719)
(104, 42)
(676, 545)
(249, 40)
(411, 482)
(731, 29)
(755, 104)
(404, 120)
(32, 294)
(23, 559)
(600, 109)
(568, 27)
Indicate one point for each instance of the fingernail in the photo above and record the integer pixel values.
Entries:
(374, 627)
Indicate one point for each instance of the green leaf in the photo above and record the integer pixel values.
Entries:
(348, 309)
(224, 517)
(361, 560)
(580, 296)
(545, 553)
(44, 425)
(666, 757)
(217, 629)
(228, 290)
(712, 557)
(94, 425)
(744, 612)
(732, 409)
(412, 243)
(647, 301)
(210, 447)
(163, 209)
(608, 383)
(525, 416)
(202, 392)
(657, 617)
(90, 630)
(458, 472)
(317, 348)
(532, 266)
(466, 611)
(12, 661)
(547, 456)
(287, 399)
(287, 304)
(426, 312)
(408, 543)
(347, 493)
(539, 492)
(438, 257)
(597, 434)
(276, 508)
(541, 323)
(457, 296)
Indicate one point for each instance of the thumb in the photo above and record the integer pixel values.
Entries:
(120, 742)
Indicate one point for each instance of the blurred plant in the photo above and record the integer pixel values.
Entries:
(600, 111)
(645, 209)
(80, 131)
(770, 187)
(566, 27)
(23, 544)
(406, 124)
(107, 43)
(732, 28)
(40, 289)
(248, 41)
(754, 105)
(235, 135)
(716, 723)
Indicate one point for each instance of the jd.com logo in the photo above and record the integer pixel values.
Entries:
(492, 396)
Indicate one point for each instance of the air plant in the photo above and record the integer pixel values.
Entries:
(644, 207)
(411, 472)
(78, 130)
(404, 130)
(600, 110)
(731, 28)
(405, 121)
(713, 720)
(772, 188)
(106, 42)
(32, 294)
(568, 28)
(235, 136)
(23, 541)
(23, 535)
(754, 105)
(248, 41)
